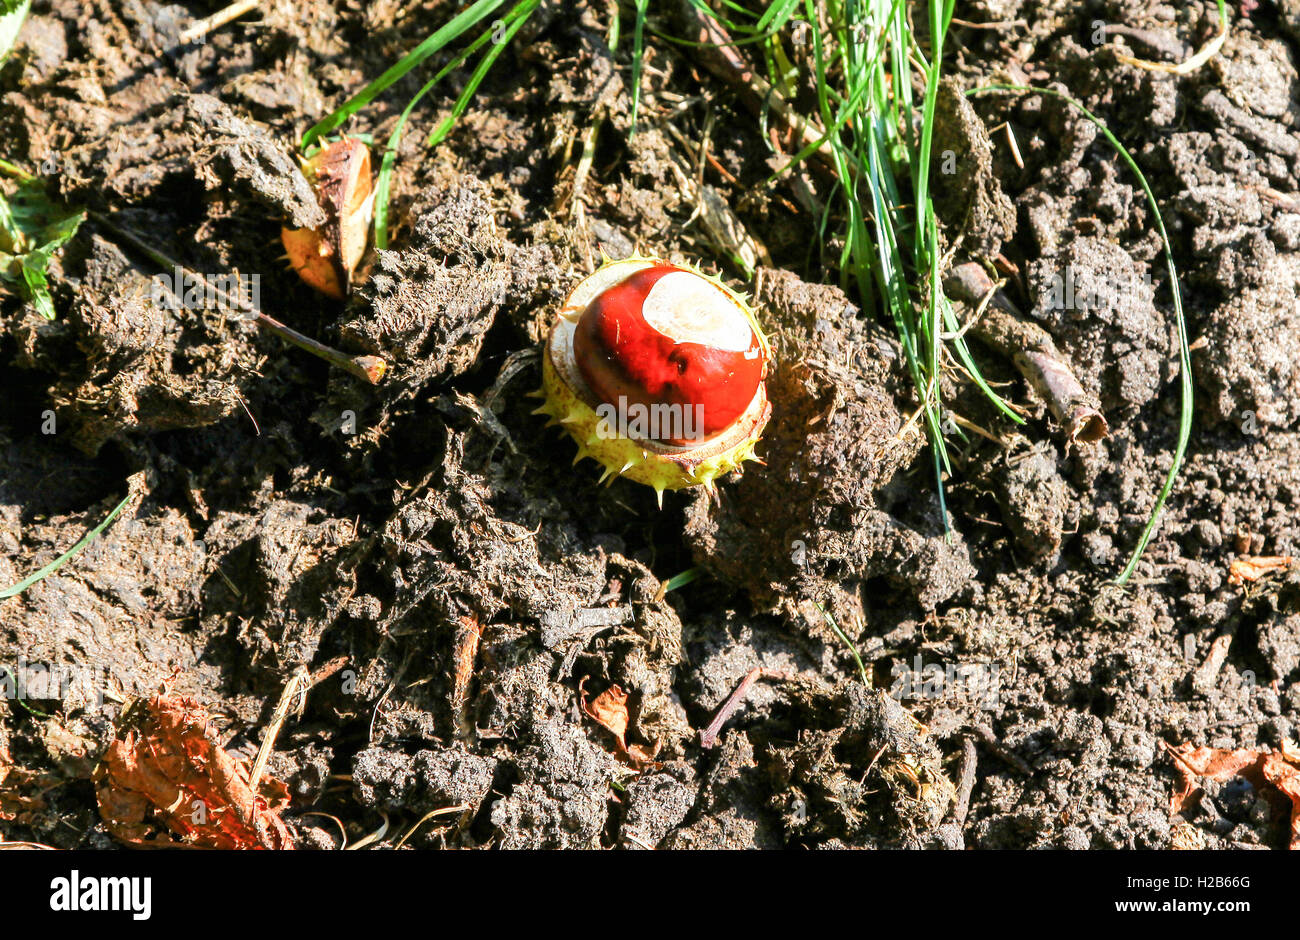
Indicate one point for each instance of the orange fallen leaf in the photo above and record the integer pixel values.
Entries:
(468, 636)
(326, 258)
(1279, 768)
(1254, 567)
(167, 772)
(609, 710)
(22, 791)
(1285, 775)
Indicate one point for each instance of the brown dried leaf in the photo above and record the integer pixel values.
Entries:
(1280, 768)
(22, 791)
(326, 258)
(1285, 775)
(1254, 567)
(166, 771)
(609, 710)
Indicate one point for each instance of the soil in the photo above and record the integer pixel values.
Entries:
(431, 530)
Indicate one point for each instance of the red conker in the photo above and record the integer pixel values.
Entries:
(667, 336)
(657, 372)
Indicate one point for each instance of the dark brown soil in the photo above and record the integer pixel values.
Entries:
(286, 514)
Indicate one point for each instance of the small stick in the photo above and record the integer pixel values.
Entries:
(282, 708)
(321, 674)
(709, 736)
(969, 761)
(369, 368)
(1203, 55)
(996, 24)
(444, 811)
(1032, 350)
(292, 699)
(1205, 676)
(985, 734)
(464, 652)
(206, 25)
(718, 54)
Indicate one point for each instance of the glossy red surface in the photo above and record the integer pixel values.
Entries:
(622, 356)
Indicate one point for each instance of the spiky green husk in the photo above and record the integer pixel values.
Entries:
(656, 465)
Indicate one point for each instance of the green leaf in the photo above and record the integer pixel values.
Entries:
(32, 229)
(12, 15)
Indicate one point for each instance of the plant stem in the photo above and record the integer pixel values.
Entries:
(369, 368)
(201, 28)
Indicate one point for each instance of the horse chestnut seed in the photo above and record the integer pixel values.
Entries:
(657, 372)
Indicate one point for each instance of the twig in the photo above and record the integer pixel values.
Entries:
(996, 24)
(709, 736)
(1205, 676)
(985, 734)
(287, 697)
(444, 811)
(323, 673)
(373, 837)
(206, 25)
(1208, 51)
(720, 225)
(292, 699)
(966, 781)
(464, 652)
(1032, 350)
(369, 368)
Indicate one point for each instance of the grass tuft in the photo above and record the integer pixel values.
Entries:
(497, 33)
(865, 61)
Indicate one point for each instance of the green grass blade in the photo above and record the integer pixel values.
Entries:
(638, 52)
(453, 30)
(681, 580)
(383, 183)
(853, 650)
(968, 363)
(510, 24)
(67, 556)
(1184, 353)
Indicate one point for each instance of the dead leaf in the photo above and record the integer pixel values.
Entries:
(22, 791)
(609, 710)
(1254, 567)
(167, 772)
(468, 635)
(1280, 769)
(1285, 775)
